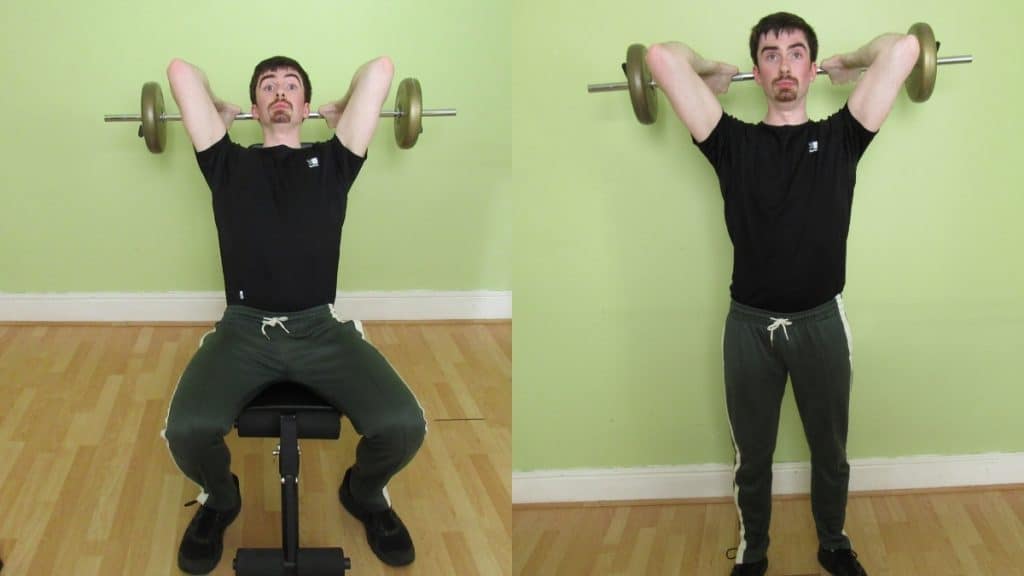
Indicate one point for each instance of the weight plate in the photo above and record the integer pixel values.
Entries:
(409, 102)
(154, 128)
(921, 81)
(641, 93)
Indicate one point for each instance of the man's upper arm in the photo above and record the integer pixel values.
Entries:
(198, 112)
(876, 91)
(342, 160)
(362, 112)
(692, 100)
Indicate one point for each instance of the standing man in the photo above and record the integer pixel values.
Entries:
(279, 212)
(787, 184)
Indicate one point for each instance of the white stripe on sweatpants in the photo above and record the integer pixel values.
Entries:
(202, 496)
(741, 548)
(849, 346)
(846, 328)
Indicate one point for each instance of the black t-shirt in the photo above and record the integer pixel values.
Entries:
(279, 213)
(788, 191)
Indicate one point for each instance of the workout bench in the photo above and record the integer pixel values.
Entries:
(289, 411)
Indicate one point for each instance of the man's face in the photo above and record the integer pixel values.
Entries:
(784, 66)
(280, 97)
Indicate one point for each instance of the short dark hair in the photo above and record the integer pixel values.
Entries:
(275, 63)
(778, 23)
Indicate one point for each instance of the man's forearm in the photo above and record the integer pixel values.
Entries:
(684, 53)
(864, 56)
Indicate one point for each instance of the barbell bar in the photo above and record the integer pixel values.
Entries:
(919, 85)
(619, 86)
(408, 114)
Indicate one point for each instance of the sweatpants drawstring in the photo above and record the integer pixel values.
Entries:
(271, 322)
(775, 325)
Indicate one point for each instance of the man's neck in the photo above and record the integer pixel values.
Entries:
(281, 135)
(786, 116)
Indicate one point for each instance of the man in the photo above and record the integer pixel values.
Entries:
(787, 184)
(279, 212)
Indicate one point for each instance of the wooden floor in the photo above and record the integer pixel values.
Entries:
(968, 533)
(87, 486)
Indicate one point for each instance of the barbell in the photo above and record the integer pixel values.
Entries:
(919, 84)
(408, 114)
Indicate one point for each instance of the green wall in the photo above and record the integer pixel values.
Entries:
(84, 206)
(622, 261)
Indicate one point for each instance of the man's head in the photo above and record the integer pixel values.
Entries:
(784, 49)
(280, 91)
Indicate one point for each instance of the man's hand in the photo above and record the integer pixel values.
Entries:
(227, 112)
(332, 112)
(719, 76)
(838, 72)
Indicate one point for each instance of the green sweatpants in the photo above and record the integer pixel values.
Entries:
(248, 350)
(812, 348)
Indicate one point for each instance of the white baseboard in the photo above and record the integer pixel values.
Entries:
(715, 480)
(208, 306)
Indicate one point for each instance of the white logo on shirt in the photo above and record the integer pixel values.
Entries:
(812, 146)
(313, 162)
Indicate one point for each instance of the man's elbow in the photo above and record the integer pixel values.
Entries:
(905, 52)
(657, 61)
(177, 70)
(376, 77)
(655, 56)
(381, 70)
(668, 61)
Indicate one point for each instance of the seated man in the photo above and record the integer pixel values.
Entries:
(279, 212)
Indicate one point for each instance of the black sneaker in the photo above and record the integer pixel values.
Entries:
(387, 536)
(203, 541)
(750, 568)
(841, 562)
